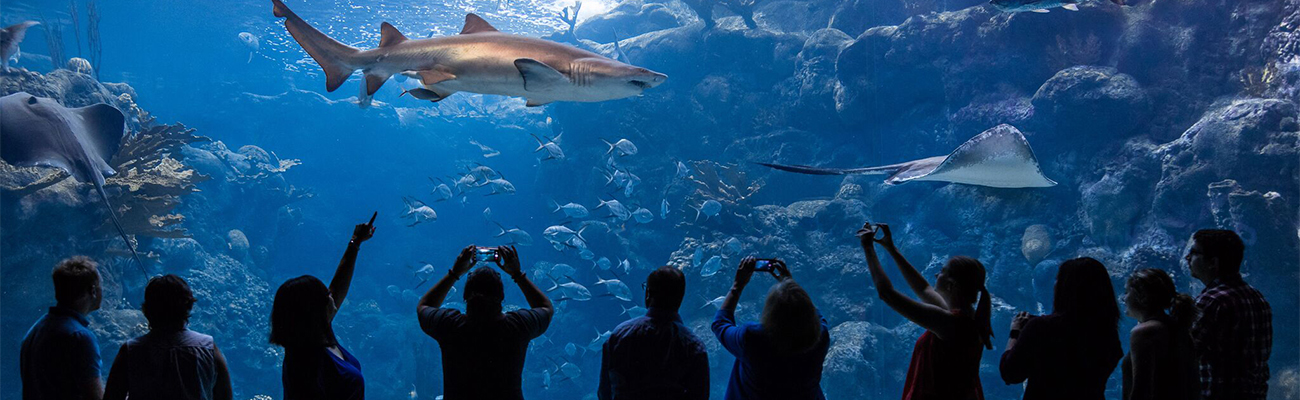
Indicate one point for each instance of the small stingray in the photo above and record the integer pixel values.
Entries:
(999, 157)
(39, 131)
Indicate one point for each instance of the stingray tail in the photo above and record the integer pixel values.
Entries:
(118, 224)
(809, 170)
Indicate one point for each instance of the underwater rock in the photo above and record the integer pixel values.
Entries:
(80, 66)
(1251, 141)
(861, 359)
(1112, 205)
(627, 19)
(814, 84)
(1036, 243)
(1086, 106)
(237, 242)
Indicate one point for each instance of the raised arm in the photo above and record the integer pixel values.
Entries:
(928, 316)
(342, 280)
(438, 293)
(743, 274)
(914, 279)
(509, 262)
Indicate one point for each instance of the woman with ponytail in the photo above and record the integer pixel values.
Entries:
(946, 360)
(1160, 363)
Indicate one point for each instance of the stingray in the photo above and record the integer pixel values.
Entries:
(999, 157)
(38, 131)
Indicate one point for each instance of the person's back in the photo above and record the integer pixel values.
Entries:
(1175, 373)
(947, 369)
(1234, 334)
(483, 357)
(59, 358)
(170, 365)
(655, 356)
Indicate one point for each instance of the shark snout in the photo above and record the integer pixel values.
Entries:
(646, 79)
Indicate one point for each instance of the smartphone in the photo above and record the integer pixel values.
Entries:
(764, 265)
(486, 254)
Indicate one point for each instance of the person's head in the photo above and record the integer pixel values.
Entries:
(961, 280)
(664, 288)
(1149, 292)
(1084, 294)
(77, 284)
(167, 302)
(484, 292)
(300, 314)
(1214, 254)
(791, 318)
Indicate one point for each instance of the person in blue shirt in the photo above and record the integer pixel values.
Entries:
(60, 356)
(781, 357)
(316, 366)
(655, 356)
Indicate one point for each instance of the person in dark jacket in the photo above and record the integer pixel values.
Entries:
(781, 357)
(170, 362)
(655, 356)
(1070, 353)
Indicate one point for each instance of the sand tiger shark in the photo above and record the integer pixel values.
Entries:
(999, 157)
(479, 60)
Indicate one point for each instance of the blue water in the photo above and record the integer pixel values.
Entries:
(789, 91)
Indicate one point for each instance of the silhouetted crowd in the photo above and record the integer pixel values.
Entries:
(1213, 347)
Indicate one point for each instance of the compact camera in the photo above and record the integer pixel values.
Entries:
(486, 254)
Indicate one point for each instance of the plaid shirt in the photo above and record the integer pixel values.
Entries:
(1234, 336)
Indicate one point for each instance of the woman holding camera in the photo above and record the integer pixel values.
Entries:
(946, 360)
(781, 357)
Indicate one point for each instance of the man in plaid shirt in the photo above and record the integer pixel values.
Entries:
(1234, 333)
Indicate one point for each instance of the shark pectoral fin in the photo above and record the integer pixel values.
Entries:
(476, 24)
(103, 126)
(538, 76)
(1041, 11)
(434, 76)
(388, 35)
(1071, 7)
(537, 102)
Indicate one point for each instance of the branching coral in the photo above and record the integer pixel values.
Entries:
(1255, 82)
(570, 16)
(724, 183)
(154, 179)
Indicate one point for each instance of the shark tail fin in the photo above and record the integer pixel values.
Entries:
(333, 57)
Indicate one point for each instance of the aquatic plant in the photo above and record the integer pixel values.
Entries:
(54, 40)
(570, 16)
(149, 168)
(1255, 82)
(76, 24)
(92, 37)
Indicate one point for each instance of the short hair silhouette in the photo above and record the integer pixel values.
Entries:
(1223, 244)
(791, 318)
(1085, 295)
(167, 301)
(73, 277)
(300, 314)
(483, 291)
(667, 285)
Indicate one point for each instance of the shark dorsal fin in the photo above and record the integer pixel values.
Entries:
(476, 24)
(388, 35)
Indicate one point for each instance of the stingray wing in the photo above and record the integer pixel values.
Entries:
(99, 129)
(31, 136)
(999, 157)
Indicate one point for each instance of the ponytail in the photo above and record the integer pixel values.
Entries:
(984, 317)
(1183, 311)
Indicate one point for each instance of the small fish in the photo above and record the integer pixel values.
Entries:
(483, 173)
(487, 213)
(616, 209)
(1038, 6)
(623, 146)
(570, 349)
(571, 291)
(716, 303)
(663, 209)
(414, 394)
(488, 152)
(552, 147)
(561, 234)
(603, 264)
(441, 192)
(564, 270)
(711, 267)
(709, 208)
(424, 273)
(698, 257)
(625, 266)
(616, 288)
(682, 170)
(517, 236)
(499, 186)
(418, 211)
(586, 254)
(571, 210)
(634, 312)
(394, 291)
(733, 246)
(599, 341)
(251, 42)
(643, 215)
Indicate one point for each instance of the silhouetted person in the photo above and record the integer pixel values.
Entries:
(782, 357)
(483, 349)
(315, 365)
(1070, 353)
(170, 362)
(1161, 364)
(655, 356)
(1234, 334)
(946, 359)
(60, 356)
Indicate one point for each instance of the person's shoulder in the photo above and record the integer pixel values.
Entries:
(625, 326)
(1148, 331)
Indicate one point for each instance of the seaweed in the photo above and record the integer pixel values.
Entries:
(76, 24)
(92, 37)
(54, 40)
